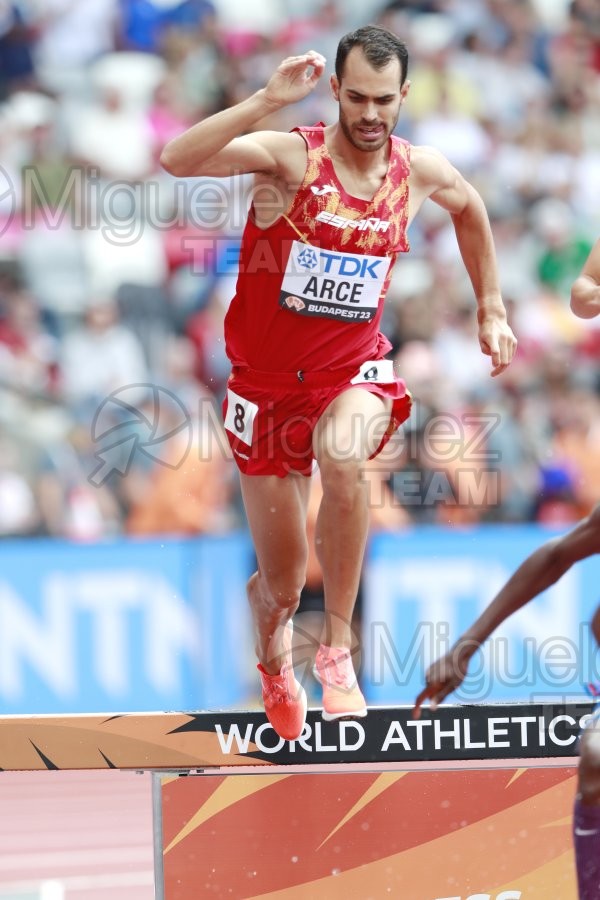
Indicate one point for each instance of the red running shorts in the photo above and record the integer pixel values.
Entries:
(270, 416)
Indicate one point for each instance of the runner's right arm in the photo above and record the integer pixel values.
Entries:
(219, 145)
(538, 572)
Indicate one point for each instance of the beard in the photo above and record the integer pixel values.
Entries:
(353, 135)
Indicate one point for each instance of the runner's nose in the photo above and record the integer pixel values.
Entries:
(369, 115)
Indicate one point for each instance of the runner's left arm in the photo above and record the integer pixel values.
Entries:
(436, 178)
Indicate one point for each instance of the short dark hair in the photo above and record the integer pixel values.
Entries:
(379, 46)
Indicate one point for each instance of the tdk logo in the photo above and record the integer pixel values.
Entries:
(350, 266)
(343, 264)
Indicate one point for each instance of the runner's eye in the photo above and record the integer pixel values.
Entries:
(380, 101)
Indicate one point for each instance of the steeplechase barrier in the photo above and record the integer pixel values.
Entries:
(470, 803)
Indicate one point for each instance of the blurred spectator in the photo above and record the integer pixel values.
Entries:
(435, 82)
(19, 512)
(71, 507)
(167, 115)
(113, 139)
(556, 502)
(28, 353)
(205, 330)
(190, 500)
(99, 356)
(16, 38)
(242, 22)
(456, 346)
(90, 90)
(564, 249)
(507, 81)
(53, 267)
(190, 490)
(144, 23)
(70, 35)
(575, 445)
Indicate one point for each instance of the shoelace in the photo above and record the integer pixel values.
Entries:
(279, 689)
(338, 670)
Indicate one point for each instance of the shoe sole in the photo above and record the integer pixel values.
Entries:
(334, 716)
(344, 716)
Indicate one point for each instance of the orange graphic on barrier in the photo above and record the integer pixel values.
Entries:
(128, 741)
(418, 835)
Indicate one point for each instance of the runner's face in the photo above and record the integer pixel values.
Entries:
(369, 100)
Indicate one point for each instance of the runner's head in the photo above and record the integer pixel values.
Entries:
(378, 45)
(370, 85)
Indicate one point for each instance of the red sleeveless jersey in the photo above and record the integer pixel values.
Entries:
(311, 287)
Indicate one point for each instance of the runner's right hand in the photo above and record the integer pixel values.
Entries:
(294, 79)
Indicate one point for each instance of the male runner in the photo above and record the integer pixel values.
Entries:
(330, 213)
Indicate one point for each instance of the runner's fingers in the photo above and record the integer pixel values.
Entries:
(506, 350)
(435, 693)
(299, 62)
(416, 713)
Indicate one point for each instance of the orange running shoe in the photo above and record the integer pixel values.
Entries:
(342, 697)
(283, 696)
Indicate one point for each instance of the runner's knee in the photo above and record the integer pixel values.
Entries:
(342, 481)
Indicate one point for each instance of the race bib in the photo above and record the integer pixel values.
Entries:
(378, 370)
(332, 284)
(239, 419)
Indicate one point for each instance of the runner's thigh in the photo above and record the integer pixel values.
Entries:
(352, 426)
